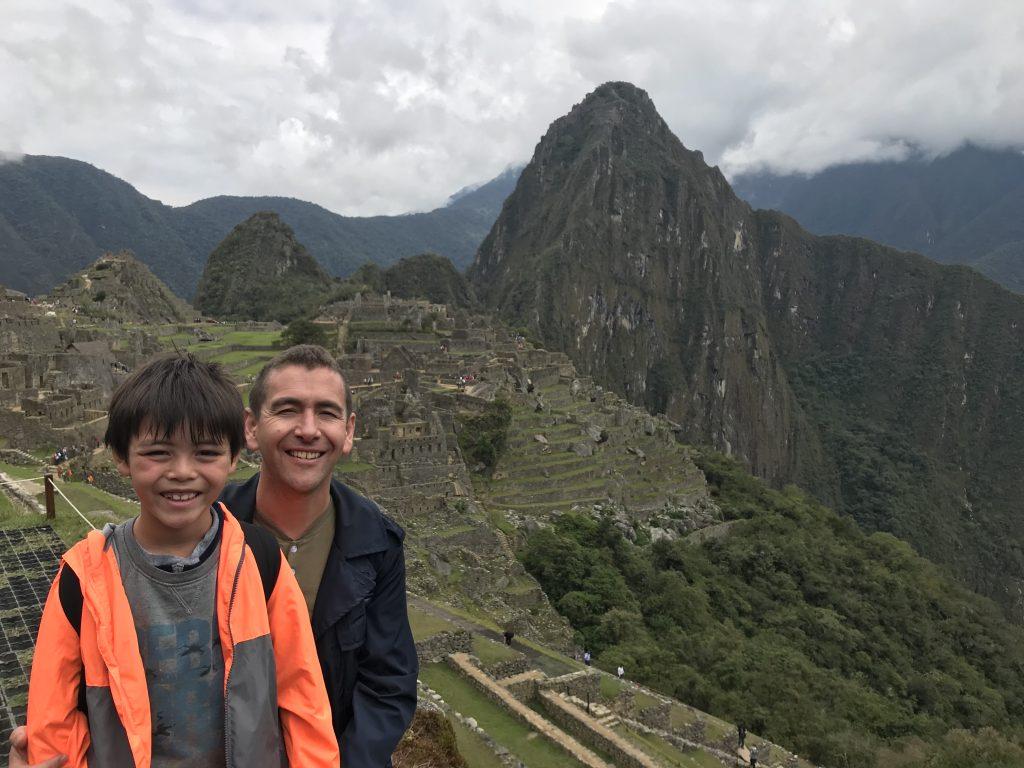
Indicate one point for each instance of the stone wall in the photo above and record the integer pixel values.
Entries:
(581, 684)
(443, 644)
(508, 667)
(573, 721)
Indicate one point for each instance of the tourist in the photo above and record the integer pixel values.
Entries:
(190, 657)
(620, 672)
(301, 421)
(586, 657)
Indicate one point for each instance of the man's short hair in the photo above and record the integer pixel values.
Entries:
(175, 392)
(310, 357)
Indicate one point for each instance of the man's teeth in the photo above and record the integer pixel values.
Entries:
(305, 454)
(181, 496)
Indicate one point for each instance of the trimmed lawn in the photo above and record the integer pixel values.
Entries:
(528, 746)
(490, 652)
(666, 753)
(472, 748)
(426, 625)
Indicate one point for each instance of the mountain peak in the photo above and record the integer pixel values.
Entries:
(119, 285)
(261, 272)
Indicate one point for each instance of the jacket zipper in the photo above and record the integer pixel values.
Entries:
(228, 752)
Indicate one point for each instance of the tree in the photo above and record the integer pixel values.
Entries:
(303, 331)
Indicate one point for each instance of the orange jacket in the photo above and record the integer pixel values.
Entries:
(276, 708)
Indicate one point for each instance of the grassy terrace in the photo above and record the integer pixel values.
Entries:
(666, 753)
(524, 743)
(472, 748)
(426, 625)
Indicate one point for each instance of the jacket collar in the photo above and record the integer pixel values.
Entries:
(359, 529)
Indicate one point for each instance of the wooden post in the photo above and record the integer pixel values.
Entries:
(51, 509)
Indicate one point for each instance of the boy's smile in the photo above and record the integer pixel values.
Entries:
(176, 481)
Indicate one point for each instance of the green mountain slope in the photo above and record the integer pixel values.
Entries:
(831, 641)
(886, 384)
(261, 272)
(958, 208)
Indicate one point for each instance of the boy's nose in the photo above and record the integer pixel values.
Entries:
(183, 466)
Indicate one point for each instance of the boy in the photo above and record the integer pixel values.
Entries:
(175, 639)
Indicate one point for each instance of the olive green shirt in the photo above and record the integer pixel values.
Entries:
(307, 555)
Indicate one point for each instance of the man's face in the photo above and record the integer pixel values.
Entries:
(303, 429)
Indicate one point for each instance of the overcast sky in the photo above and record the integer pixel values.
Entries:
(388, 106)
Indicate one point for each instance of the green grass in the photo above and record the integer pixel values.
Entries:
(501, 726)
(242, 356)
(609, 687)
(666, 753)
(473, 749)
(490, 652)
(426, 625)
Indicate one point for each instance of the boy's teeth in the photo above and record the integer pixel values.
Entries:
(181, 496)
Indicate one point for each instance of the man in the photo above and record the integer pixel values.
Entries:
(347, 555)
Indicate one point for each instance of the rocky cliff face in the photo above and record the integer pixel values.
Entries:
(261, 272)
(119, 286)
(624, 249)
(886, 384)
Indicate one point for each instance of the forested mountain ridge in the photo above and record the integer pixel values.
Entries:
(847, 647)
(889, 386)
(57, 215)
(966, 207)
(261, 272)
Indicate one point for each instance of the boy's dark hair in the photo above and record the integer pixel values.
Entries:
(174, 392)
(310, 357)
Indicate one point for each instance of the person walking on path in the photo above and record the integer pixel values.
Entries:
(586, 658)
(620, 672)
(741, 734)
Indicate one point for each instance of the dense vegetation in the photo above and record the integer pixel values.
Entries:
(828, 640)
(426, 276)
(261, 272)
(483, 436)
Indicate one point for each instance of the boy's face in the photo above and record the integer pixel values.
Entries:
(303, 430)
(176, 481)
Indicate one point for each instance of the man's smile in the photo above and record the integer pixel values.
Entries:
(308, 455)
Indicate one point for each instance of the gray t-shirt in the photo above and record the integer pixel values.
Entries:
(175, 617)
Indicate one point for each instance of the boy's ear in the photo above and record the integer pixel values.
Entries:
(122, 466)
(250, 430)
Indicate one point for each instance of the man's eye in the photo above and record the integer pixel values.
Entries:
(330, 415)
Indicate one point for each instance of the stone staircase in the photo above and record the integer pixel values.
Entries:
(599, 712)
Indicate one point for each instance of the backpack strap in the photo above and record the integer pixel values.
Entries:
(267, 553)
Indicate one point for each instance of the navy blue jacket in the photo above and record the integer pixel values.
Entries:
(360, 624)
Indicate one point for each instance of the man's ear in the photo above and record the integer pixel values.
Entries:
(250, 430)
(350, 437)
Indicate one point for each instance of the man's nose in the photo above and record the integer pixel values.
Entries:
(307, 426)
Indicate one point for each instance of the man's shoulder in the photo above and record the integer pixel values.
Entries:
(362, 526)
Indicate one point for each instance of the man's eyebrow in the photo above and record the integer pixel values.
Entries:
(283, 401)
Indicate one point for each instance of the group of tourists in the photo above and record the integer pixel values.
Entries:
(235, 625)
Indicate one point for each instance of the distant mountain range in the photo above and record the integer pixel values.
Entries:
(58, 215)
(963, 208)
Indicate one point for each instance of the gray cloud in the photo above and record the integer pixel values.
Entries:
(385, 107)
